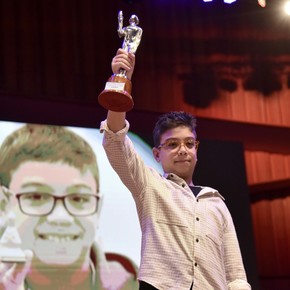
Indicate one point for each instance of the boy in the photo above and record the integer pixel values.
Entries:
(50, 182)
(188, 236)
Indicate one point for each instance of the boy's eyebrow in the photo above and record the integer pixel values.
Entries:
(77, 187)
(40, 186)
(47, 188)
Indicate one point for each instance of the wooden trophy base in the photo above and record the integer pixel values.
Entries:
(117, 94)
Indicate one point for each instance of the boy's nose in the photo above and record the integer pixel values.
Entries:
(60, 214)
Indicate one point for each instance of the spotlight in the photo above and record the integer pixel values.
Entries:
(262, 3)
(229, 1)
(225, 1)
(287, 7)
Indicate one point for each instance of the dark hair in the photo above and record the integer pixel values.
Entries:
(172, 120)
(45, 143)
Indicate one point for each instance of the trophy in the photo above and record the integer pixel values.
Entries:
(117, 93)
(10, 243)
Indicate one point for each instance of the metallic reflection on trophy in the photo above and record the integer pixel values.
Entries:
(117, 93)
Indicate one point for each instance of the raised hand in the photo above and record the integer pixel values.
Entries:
(123, 60)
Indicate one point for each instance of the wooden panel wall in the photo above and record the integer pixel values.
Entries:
(265, 167)
(55, 49)
(270, 213)
(62, 50)
(246, 106)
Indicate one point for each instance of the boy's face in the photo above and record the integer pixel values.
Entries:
(181, 160)
(58, 238)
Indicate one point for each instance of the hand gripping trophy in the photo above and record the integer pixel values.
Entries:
(117, 93)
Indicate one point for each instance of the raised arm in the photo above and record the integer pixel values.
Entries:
(126, 61)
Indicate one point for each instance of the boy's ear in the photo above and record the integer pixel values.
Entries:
(156, 154)
(4, 198)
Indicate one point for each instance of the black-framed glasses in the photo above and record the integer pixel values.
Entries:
(174, 143)
(42, 204)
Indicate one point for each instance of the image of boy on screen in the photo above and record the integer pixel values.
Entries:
(50, 177)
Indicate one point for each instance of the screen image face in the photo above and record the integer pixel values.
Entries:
(62, 198)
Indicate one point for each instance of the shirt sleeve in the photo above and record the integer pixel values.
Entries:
(234, 267)
(239, 284)
(124, 159)
(104, 128)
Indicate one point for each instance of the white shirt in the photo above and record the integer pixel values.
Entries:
(185, 238)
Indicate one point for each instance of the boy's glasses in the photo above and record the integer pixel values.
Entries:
(41, 204)
(174, 143)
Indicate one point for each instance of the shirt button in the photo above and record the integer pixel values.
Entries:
(197, 240)
(195, 264)
(183, 185)
(197, 219)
